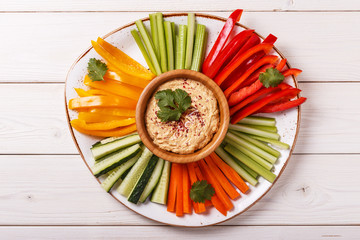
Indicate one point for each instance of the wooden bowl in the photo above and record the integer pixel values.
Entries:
(148, 93)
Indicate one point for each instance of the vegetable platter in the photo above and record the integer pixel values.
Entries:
(287, 123)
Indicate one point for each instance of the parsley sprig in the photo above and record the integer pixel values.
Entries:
(96, 69)
(172, 104)
(271, 77)
(201, 191)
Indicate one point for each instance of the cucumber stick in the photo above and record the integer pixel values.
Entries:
(115, 159)
(143, 180)
(135, 173)
(102, 150)
(161, 190)
(116, 174)
(153, 181)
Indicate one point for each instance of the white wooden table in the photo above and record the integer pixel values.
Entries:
(46, 192)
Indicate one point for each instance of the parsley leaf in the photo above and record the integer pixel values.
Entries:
(201, 191)
(271, 77)
(172, 104)
(96, 69)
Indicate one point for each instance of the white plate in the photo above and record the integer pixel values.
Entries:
(287, 123)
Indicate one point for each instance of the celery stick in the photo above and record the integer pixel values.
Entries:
(263, 121)
(265, 164)
(169, 45)
(199, 47)
(154, 34)
(253, 131)
(162, 43)
(190, 40)
(149, 45)
(246, 168)
(257, 143)
(173, 35)
(181, 47)
(231, 162)
(264, 128)
(246, 144)
(273, 142)
(141, 46)
(250, 163)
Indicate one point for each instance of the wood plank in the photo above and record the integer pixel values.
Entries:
(59, 190)
(47, 43)
(329, 122)
(163, 232)
(186, 5)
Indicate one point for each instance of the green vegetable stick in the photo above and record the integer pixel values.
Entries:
(149, 45)
(246, 168)
(162, 43)
(265, 128)
(253, 131)
(242, 142)
(257, 143)
(173, 35)
(265, 164)
(250, 163)
(262, 121)
(190, 40)
(169, 45)
(154, 34)
(181, 47)
(141, 46)
(273, 142)
(231, 162)
(199, 47)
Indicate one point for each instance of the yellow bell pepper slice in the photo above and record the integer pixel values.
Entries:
(124, 58)
(129, 69)
(103, 125)
(90, 117)
(101, 101)
(117, 75)
(117, 112)
(117, 132)
(82, 93)
(115, 87)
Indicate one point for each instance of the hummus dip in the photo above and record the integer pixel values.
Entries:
(197, 124)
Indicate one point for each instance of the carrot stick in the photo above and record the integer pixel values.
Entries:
(172, 190)
(230, 173)
(214, 199)
(186, 190)
(224, 182)
(216, 185)
(179, 190)
(198, 207)
(208, 203)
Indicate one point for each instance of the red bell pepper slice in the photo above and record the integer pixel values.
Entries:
(257, 95)
(277, 107)
(251, 42)
(281, 64)
(232, 66)
(227, 54)
(271, 59)
(221, 39)
(252, 108)
(291, 71)
(238, 96)
(254, 40)
(255, 76)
